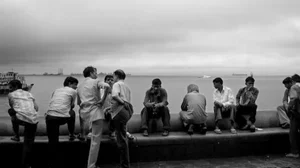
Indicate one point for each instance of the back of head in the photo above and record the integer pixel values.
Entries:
(287, 80)
(15, 84)
(156, 81)
(296, 78)
(88, 70)
(218, 80)
(120, 74)
(70, 80)
(192, 88)
(250, 79)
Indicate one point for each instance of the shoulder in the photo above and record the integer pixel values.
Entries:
(163, 90)
(255, 89)
(227, 88)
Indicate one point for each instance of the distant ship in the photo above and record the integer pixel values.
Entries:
(236, 74)
(205, 76)
(5, 78)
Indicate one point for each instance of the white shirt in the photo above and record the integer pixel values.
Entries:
(123, 91)
(22, 103)
(61, 101)
(225, 96)
(88, 94)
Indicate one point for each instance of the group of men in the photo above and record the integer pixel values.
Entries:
(111, 100)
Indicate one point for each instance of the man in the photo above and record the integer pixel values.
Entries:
(223, 104)
(155, 102)
(245, 105)
(109, 79)
(294, 110)
(59, 113)
(282, 111)
(90, 111)
(121, 112)
(23, 112)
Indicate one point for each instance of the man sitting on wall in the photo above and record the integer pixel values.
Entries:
(156, 101)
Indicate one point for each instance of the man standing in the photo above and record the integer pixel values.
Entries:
(59, 113)
(23, 112)
(245, 105)
(121, 112)
(294, 110)
(90, 111)
(223, 104)
(155, 102)
(282, 111)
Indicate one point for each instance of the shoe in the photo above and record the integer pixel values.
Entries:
(292, 155)
(89, 136)
(112, 135)
(145, 133)
(129, 136)
(15, 138)
(81, 138)
(72, 137)
(165, 133)
(285, 126)
(252, 128)
(203, 130)
(191, 129)
(233, 131)
(218, 131)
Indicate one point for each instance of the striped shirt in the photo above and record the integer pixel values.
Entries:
(23, 103)
(61, 102)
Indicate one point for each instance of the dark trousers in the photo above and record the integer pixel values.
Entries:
(53, 123)
(293, 134)
(161, 112)
(29, 136)
(120, 122)
(245, 110)
(227, 112)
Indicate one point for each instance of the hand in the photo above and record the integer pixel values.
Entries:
(99, 103)
(156, 105)
(107, 109)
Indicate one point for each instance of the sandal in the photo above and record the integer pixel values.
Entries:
(218, 131)
(233, 131)
(15, 138)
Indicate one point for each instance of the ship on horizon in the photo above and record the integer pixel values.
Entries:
(5, 78)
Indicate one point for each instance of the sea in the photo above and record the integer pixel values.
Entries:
(270, 88)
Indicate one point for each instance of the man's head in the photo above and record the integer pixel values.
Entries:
(192, 88)
(249, 81)
(109, 79)
(14, 85)
(295, 78)
(90, 72)
(71, 82)
(218, 83)
(156, 84)
(288, 82)
(119, 75)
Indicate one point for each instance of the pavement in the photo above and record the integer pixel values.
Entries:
(266, 161)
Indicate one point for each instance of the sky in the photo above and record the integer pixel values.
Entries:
(153, 37)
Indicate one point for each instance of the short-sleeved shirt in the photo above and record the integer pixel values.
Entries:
(61, 101)
(23, 103)
(225, 96)
(89, 93)
(123, 91)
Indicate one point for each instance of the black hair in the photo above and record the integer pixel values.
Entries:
(88, 70)
(250, 79)
(296, 78)
(120, 74)
(108, 76)
(70, 80)
(287, 80)
(156, 81)
(218, 80)
(15, 84)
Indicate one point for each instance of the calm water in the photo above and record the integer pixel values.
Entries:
(270, 95)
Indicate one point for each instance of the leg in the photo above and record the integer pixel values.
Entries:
(71, 124)
(239, 118)
(29, 136)
(120, 122)
(82, 129)
(293, 135)
(282, 116)
(53, 134)
(97, 127)
(146, 114)
(231, 110)
(165, 116)
(15, 125)
(218, 116)
(252, 112)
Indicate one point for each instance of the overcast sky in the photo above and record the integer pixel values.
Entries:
(168, 37)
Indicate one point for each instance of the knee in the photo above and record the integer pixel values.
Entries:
(166, 109)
